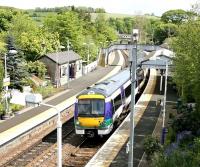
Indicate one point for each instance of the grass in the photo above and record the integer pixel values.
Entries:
(118, 15)
(39, 16)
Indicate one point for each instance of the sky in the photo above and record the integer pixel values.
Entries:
(111, 6)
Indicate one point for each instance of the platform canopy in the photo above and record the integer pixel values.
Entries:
(157, 59)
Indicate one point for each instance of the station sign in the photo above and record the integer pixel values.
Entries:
(6, 81)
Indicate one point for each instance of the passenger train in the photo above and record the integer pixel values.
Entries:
(98, 107)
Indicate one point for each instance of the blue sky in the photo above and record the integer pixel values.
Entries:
(112, 6)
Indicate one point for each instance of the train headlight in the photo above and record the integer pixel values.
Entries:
(77, 122)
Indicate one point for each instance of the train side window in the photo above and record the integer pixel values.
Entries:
(113, 106)
(117, 102)
(128, 91)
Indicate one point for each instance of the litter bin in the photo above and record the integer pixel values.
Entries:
(164, 132)
(179, 105)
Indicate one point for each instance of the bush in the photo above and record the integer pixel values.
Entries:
(38, 68)
(151, 146)
(177, 158)
(16, 107)
(1, 109)
(171, 136)
(45, 91)
(189, 121)
(184, 157)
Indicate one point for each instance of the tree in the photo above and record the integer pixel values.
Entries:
(103, 31)
(6, 15)
(29, 38)
(15, 66)
(187, 61)
(176, 16)
(68, 26)
(163, 31)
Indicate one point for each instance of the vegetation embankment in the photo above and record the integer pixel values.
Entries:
(182, 145)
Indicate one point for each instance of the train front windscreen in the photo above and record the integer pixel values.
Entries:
(90, 107)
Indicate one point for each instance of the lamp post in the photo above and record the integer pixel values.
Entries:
(164, 105)
(104, 46)
(133, 80)
(59, 135)
(6, 82)
(37, 99)
(88, 47)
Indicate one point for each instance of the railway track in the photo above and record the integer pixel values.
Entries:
(76, 150)
(40, 147)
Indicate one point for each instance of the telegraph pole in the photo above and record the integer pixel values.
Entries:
(68, 47)
(133, 80)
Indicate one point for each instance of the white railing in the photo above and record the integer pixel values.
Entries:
(90, 67)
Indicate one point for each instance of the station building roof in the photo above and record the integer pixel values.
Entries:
(63, 57)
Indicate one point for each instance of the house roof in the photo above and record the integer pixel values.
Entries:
(63, 57)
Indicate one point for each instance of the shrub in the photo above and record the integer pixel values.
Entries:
(45, 91)
(1, 109)
(151, 146)
(171, 136)
(189, 121)
(16, 107)
(38, 68)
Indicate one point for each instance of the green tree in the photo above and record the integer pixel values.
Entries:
(187, 61)
(6, 15)
(103, 31)
(177, 16)
(29, 37)
(1, 75)
(68, 26)
(15, 66)
(163, 31)
(38, 68)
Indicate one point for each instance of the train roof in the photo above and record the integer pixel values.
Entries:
(110, 85)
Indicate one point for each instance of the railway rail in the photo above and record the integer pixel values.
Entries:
(49, 141)
(77, 150)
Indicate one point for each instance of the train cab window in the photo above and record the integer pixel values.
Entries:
(97, 107)
(90, 107)
(84, 107)
(128, 91)
(117, 102)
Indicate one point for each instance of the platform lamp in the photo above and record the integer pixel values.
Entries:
(133, 57)
(6, 82)
(105, 47)
(36, 100)
(88, 47)
(164, 105)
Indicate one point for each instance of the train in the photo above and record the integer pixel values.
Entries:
(98, 107)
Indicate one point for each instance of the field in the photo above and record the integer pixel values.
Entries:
(118, 15)
(38, 16)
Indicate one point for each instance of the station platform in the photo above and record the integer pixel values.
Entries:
(147, 117)
(21, 123)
